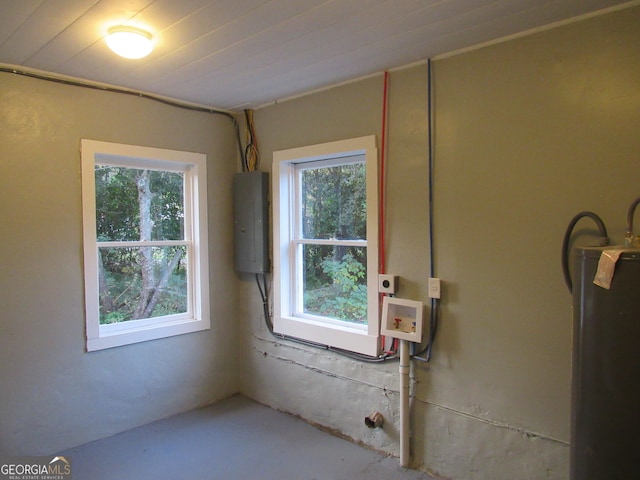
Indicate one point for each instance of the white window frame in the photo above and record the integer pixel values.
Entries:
(193, 166)
(352, 337)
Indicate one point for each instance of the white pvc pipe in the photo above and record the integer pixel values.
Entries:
(404, 403)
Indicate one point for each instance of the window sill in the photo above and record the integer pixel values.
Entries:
(110, 337)
(355, 339)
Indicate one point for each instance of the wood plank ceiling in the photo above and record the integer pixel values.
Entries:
(236, 54)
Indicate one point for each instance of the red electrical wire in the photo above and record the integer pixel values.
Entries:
(382, 200)
(381, 188)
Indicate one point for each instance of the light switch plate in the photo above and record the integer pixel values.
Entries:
(434, 288)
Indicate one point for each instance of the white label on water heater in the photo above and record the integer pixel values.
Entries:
(607, 267)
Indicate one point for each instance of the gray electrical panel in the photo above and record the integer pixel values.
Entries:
(251, 226)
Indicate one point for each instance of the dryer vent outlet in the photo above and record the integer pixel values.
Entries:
(388, 284)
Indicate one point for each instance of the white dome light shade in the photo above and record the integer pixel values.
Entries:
(130, 42)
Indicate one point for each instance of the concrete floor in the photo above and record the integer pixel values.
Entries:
(236, 438)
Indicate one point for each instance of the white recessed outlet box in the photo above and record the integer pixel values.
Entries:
(402, 319)
(387, 284)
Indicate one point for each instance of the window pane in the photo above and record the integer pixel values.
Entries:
(334, 202)
(126, 293)
(335, 282)
(134, 204)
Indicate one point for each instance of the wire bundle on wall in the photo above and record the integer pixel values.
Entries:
(433, 318)
(124, 91)
(382, 188)
(433, 314)
(251, 158)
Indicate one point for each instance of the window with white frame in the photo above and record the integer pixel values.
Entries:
(326, 244)
(145, 243)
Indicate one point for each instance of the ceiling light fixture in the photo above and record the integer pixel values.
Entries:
(130, 42)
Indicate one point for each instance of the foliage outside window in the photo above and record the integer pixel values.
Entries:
(145, 245)
(333, 217)
(325, 244)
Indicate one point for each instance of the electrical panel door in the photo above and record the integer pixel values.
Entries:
(251, 213)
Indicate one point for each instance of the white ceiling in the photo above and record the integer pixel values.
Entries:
(236, 54)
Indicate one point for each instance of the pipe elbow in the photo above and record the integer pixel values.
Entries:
(375, 420)
(629, 239)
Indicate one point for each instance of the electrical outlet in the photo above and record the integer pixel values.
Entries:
(387, 284)
(434, 288)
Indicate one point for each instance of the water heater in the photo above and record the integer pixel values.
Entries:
(605, 410)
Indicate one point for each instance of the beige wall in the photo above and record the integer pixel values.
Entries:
(527, 133)
(53, 394)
